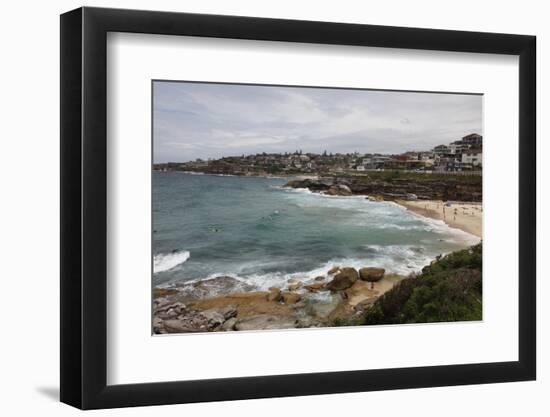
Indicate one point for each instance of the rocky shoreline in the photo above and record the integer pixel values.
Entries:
(225, 303)
(394, 186)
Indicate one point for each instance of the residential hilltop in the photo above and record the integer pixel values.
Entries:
(464, 155)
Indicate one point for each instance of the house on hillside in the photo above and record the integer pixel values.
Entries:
(473, 156)
(472, 139)
(440, 150)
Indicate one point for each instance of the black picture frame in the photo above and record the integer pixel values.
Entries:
(84, 207)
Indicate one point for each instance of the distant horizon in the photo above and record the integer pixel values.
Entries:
(209, 121)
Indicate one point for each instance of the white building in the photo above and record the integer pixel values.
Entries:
(472, 156)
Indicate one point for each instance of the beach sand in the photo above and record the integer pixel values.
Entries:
(464, 216)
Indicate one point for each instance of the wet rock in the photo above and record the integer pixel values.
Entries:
(313, 185)
(265, 322)
(320, 309)
(334, 270)
(343, 279)
(294, 286)
(212, 287)
(319, 278)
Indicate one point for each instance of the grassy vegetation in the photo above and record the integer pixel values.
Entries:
(450, 289)
(418, 177)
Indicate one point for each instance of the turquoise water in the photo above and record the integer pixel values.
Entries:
(254, 229)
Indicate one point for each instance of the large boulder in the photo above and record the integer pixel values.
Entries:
(343, 279)
(371, 274)
(265, 322)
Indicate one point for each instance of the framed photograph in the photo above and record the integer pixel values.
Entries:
(256, 208)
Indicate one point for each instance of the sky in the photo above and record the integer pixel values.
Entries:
(207, 120)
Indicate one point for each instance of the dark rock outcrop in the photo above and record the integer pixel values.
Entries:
(339, 189)
(343, 279)
(429, 187)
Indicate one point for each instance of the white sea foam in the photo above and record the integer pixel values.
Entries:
(295, 190)
(166, 261)
(192, 172)
(399, 259)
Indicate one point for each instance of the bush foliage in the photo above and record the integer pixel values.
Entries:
(450, 289)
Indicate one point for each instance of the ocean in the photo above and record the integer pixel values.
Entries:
(256, 230)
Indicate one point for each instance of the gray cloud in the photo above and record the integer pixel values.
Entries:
(201, 120)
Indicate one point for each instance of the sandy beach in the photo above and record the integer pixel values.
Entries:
(464, 216)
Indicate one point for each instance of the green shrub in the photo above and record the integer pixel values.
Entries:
(449, 289)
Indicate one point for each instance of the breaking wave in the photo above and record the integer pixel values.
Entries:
(166, 261)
